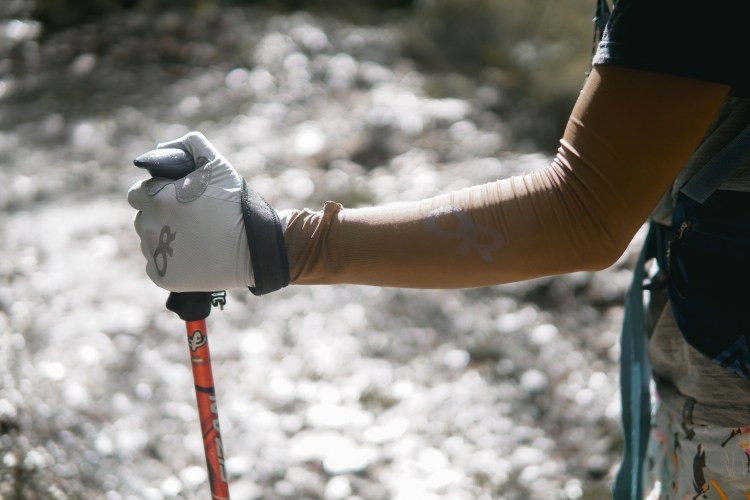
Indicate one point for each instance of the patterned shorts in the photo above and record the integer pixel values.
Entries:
(697, 462)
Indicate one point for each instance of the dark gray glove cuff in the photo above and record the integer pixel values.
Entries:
(266, 240)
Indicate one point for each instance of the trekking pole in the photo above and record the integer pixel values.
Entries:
(193, 308)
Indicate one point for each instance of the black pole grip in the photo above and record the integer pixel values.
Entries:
(190, 306)
(171, 163)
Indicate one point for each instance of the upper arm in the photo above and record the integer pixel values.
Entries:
(628, 136)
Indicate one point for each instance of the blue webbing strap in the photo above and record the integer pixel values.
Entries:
(635, 377)
(710, 177)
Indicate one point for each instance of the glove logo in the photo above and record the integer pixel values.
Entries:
(163, 250)
(197, 340)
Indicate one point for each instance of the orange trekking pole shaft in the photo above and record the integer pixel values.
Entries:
(190, 307)
(194, 308)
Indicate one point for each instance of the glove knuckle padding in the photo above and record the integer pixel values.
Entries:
(192, 186)
(152, 187)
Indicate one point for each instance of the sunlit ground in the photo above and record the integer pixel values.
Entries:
(324, 392)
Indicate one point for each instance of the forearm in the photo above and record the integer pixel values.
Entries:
(577, 214)
(505, 231)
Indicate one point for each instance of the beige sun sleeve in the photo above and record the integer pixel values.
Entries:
(627, 138)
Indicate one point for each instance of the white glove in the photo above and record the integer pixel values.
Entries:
(194, 230)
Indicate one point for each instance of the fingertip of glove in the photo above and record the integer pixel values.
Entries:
(134, 194)
(195, 135)
(194, 143)
(191, 138)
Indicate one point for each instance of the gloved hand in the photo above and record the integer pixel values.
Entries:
(208, 231)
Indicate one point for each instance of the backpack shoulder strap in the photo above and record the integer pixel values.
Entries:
(716, 171)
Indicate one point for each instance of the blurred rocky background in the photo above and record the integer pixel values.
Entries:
(342, 392)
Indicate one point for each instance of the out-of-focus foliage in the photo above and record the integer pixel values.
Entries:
(539, 48)
(534, 35)
(63, 13)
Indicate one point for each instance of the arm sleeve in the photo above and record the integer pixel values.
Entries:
(628, 136)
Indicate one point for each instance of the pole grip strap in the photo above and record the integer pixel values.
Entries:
(265, 237)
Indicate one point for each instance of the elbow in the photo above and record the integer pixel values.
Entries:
(604, 260)
(603, 249)
(601, 223)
